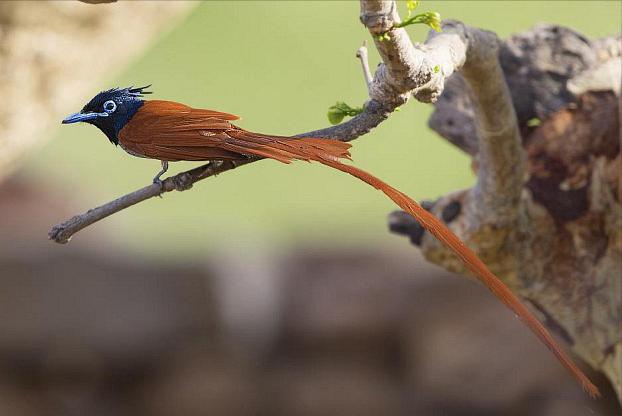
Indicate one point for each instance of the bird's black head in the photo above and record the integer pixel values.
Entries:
(110, 110)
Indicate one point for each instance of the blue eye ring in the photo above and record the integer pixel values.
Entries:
(110, 106)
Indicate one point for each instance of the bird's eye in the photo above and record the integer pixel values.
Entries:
(110, 106)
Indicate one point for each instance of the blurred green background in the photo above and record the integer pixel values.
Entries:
(280, 65)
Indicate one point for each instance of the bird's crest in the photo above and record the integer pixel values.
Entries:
(119, 95)
(131, 91)
(138, 91)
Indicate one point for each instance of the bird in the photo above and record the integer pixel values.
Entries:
(170, 132)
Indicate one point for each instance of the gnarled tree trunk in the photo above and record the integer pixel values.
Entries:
(563, 251)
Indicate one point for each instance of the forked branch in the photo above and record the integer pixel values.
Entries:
(406, 70)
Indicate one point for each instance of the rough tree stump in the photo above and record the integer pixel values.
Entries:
(564, 255)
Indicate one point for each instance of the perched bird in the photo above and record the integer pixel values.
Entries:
(169, 132)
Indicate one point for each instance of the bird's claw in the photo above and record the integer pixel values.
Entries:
(158, 181)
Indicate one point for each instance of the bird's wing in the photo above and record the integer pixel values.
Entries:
(167, 130)
(163, 108)
(171, 131)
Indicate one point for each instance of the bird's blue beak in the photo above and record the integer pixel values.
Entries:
(78, 117)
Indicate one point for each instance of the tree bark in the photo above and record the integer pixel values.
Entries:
(557, 239)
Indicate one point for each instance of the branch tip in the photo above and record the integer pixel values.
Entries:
(363, 56)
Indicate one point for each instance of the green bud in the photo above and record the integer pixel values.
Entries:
(437, 69)
(533, 122)
(432, 19)
(411, 5)
(384, 36)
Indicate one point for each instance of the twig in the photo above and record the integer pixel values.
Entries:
(373, 114)
(405, 69)
(62, 233)
(361, 53)
(386, 94)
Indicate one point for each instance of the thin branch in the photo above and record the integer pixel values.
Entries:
(372, 115)
(62, 233)
(361, 53)
(385, 98)
(405, 70)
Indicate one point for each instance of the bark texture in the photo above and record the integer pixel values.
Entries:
(560, 247)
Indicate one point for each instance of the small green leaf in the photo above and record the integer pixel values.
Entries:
(337, 112)
(533, 122)
(437, 68)
(335, 116)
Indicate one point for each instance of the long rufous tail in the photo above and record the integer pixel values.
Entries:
(328, 152)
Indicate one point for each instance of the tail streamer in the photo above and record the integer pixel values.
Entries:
(472, 262)
(329, 152)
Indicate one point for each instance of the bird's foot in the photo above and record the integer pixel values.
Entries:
(157, 179)
(160, 183)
